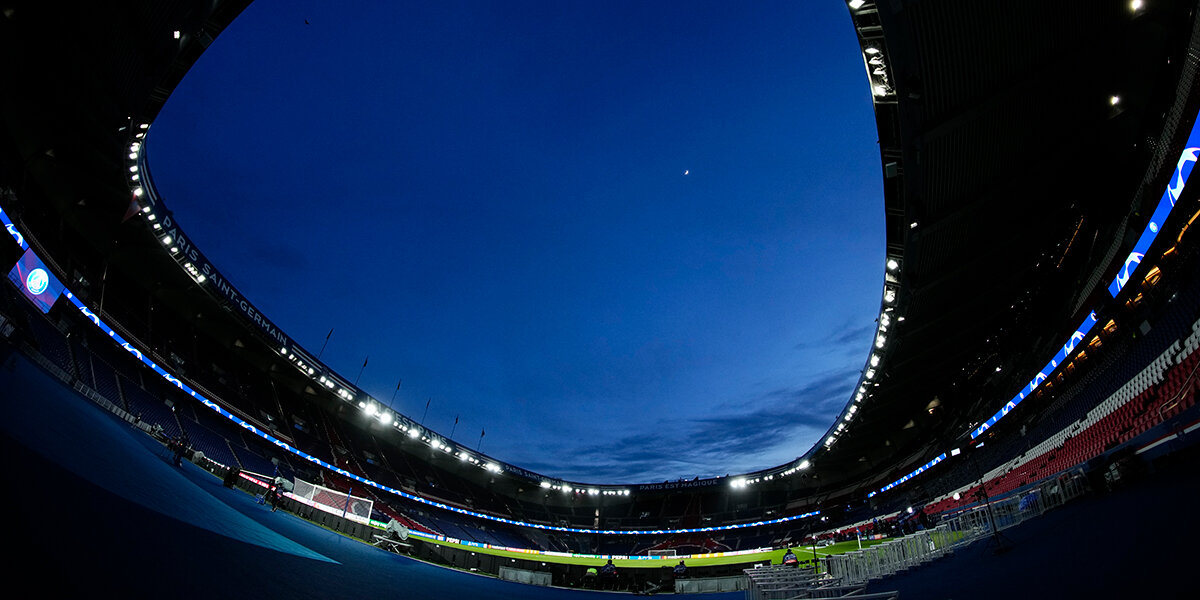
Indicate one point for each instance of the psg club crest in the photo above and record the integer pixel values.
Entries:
(37, 281)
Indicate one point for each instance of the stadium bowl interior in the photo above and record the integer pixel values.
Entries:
(1037, 333)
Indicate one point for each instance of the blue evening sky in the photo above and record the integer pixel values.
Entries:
(634, 241)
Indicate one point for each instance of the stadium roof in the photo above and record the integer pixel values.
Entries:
(1015, 139)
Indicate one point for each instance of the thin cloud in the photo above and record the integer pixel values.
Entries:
(738, 440)
(842, 338)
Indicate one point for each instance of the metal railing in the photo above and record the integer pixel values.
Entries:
(956, 531)
(779, 582)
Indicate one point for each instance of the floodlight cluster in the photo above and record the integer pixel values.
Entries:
(874, 55)
(742, 482)
(310, 367)
(566, 488)
(872, 371)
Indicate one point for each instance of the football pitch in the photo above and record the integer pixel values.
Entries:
(698, 560)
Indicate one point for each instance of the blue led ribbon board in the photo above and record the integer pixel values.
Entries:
(1183, 170)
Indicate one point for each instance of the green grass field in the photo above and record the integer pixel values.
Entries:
(775, 556)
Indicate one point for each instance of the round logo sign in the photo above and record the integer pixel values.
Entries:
(37, 281)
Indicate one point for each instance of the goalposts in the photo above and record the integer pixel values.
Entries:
(333, 502)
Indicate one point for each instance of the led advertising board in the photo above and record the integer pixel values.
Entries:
(35, 281)
(1183, 170)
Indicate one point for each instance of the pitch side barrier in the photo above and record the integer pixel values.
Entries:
(777, 582)
(710, 585)
(955, 532)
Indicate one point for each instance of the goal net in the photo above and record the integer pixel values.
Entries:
(332, 501)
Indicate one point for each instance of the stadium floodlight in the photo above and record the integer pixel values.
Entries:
(412, 433)
(957, 496)
(566, 489)
(880, 340)
(893, 264)
(133, 169)
(176, 34)
(166, 240)
(880, 90)
(137, 191)
(132, 155)
(1114, 100)
(889, 295)
(870, 373)
(804, 464)
(871, 50)
(386, 418)
(1136, 5)
(134, 177)
(545, 485)
(874, 360)
(857, 4)
(144, 126)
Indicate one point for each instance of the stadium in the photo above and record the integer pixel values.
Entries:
(1024, 421)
